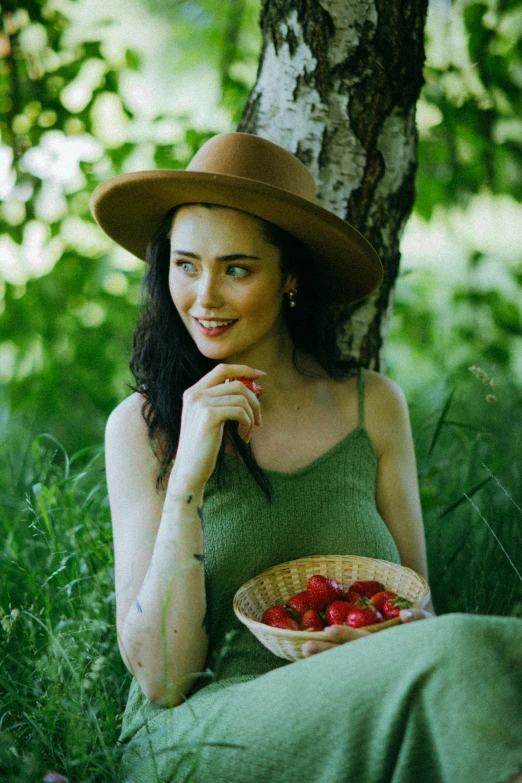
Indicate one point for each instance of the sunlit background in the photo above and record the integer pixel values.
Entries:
(90, 89)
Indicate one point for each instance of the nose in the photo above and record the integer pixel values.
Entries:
(208, 294)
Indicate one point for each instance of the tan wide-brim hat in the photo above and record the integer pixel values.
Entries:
(249, 173)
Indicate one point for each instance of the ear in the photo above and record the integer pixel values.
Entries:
(291, 283)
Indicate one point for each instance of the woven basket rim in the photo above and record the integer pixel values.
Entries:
(302, 561)
(308, 558)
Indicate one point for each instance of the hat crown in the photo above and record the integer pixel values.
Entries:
(252, 157)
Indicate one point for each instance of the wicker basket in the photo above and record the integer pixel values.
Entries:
(286, 579)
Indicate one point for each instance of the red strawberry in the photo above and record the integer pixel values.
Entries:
(392, 606)
(299, 603)
(323, 591)
(252, 385)
(273, 613)
(362, 616)
(352, 597)
(367, 587)
(379, 598)
(337, 612)
(285, 622)
(312, 621)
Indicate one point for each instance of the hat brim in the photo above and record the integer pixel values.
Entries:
(130, 208)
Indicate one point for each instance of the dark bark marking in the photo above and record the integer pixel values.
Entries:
(138, 605)
(388, 67)
(304, 154)
(249, 120)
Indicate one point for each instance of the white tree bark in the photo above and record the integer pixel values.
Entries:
(337, 85)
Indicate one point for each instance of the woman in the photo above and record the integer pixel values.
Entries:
(209, 485)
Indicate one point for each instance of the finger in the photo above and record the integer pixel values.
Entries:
(222, 372)
(312, 648)
(412, 615)
(240, 388)
(235, 413)
(343, 633)
(236, 401)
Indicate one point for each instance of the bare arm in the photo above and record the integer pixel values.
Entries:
(160, 596)
(158, 536)
(397, 495)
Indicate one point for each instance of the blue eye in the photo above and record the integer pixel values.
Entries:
(186, 266)
(237, 271)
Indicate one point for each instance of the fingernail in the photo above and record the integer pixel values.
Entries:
(260, 371)
(406, 614)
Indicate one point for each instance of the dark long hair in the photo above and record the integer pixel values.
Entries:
(165, 360)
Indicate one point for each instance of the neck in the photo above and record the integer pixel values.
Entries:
(284, 383)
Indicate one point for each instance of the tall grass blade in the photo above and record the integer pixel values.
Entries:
(440, 422)
(465, 496)
(504, 490)
(62, 449)
(497, 539)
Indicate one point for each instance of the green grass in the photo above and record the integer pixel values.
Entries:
(62, 684)
(469, 463)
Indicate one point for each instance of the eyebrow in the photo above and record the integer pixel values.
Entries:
(231, 257)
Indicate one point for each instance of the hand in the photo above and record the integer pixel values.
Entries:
(339, 634)
(213, 400)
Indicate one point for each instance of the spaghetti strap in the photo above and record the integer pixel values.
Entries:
(361, 396)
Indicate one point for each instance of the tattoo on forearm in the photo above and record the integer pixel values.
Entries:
(200, 515)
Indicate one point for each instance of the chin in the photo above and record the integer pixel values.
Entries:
(219, 354)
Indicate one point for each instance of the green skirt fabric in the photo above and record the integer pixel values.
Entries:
(435, 701)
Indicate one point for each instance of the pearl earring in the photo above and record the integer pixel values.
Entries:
(291, 298)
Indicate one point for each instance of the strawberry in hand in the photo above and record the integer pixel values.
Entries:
(252, 385)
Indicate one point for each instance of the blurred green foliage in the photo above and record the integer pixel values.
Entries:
(65, 336)
(69, 120)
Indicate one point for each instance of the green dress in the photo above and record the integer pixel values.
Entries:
(437, 701)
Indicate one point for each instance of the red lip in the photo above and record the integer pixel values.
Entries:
(213, 332)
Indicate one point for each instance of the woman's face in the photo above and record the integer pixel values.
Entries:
(225, 281)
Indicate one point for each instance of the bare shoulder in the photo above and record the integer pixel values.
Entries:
(381, 390)
(127, 419)
(385, 411)
(127, 445)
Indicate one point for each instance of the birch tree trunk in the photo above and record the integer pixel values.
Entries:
(337, 85)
